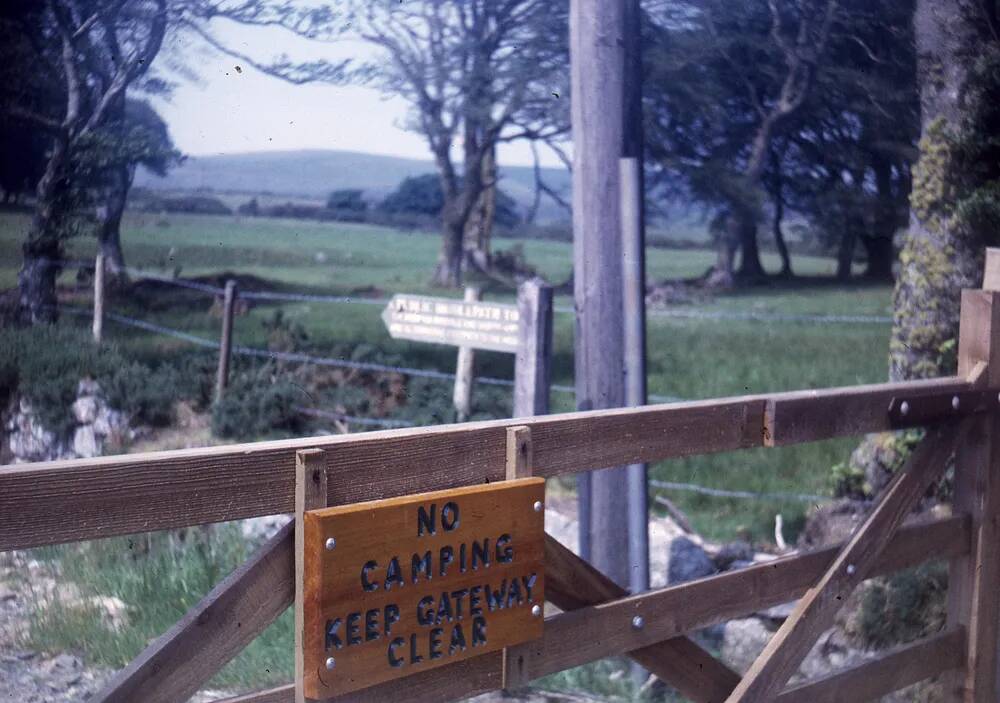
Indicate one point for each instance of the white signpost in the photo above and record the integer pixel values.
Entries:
(524, 329)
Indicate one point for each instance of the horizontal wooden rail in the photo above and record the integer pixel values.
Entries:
(605, 630)
(54, 502)
(884, 673)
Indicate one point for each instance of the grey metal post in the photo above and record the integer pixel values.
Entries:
(98, 297)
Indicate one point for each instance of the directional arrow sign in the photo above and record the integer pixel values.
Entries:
(492, 326)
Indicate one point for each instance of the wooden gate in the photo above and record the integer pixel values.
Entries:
(57, 502)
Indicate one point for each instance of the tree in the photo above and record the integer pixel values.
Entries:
(423, 195)
(136, 136)
(476, 73)
(74, 43)
(955, 203)
(351, 200)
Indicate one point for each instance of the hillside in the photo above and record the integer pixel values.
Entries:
(314, 173)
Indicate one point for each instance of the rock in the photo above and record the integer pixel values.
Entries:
(87, 386)
(743, 641)
(688, 561)
(85, 409)
(777, 613)
(85, 442)
(832, 523)
(733, 552)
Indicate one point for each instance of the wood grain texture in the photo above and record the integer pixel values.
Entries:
(572, 584)
(455, 682)
(973, 594)
(165, 490)
(225, 621)
(310, 494)
(533, 359)
(888, 671)
(605, 629)
(520, 457)
(353, 582)
(807, 416)
(991, 278)
(858, 559)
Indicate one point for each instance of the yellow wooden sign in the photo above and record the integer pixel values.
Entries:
(399, 586)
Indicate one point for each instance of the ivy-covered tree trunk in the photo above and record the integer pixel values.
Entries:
(955, 201)
(42, 248)
(109, 225)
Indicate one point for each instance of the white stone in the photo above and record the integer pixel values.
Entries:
(85, 442)
(85, 409)
(87, 386)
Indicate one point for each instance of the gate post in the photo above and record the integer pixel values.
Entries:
(974, 580)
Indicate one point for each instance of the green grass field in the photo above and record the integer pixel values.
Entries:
(687, 358)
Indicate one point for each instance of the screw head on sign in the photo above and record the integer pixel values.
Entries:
(536, 610)
(538, 506)
(904, 408)
(331, 662)
(955, 402)
(638, 622)
(330, 543)
(851, 568)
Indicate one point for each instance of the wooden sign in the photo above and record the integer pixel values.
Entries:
(492, 326)
(399, 586)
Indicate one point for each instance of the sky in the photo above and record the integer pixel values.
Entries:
(215, 109)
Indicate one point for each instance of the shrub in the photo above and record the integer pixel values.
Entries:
(903, 607)
(350, 200)
(422, 195)
(45, 364)
(258, 403)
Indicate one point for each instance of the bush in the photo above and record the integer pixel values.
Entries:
(46, 363)
(349, 200)
(422, 195)
(903, 607)
(259, 403)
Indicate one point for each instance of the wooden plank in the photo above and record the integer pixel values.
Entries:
(462, 394)
(455, 682)
(225, 621)
(601, 629)
(815, 612)
(419, 582)
(310, 494)
(533, 359)
(573, 584)
(972, 591)
(807, 416)
(164, 490)
(888, 671)
(226, 340)
(991, 279)
(519, 454)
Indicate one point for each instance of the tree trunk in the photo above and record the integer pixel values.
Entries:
(848, 245)
(449, 267)
(779, 237)
(109, 227)
(479, 227)
(953, 201)
(42, 248)
(879, 246)
(751, 270)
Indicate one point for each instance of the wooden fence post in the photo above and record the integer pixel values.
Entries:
(226, 343)
(533, 360)
(99, 297)
(974, 580)
(462, 396)
(310, 494)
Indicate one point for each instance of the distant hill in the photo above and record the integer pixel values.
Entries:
(314, 173)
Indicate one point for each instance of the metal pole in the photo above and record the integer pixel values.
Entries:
(635, 365)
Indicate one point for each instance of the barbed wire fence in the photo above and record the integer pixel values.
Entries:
(208, 289)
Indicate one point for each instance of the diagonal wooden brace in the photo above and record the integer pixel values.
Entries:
(815, 612)
(571, 583)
